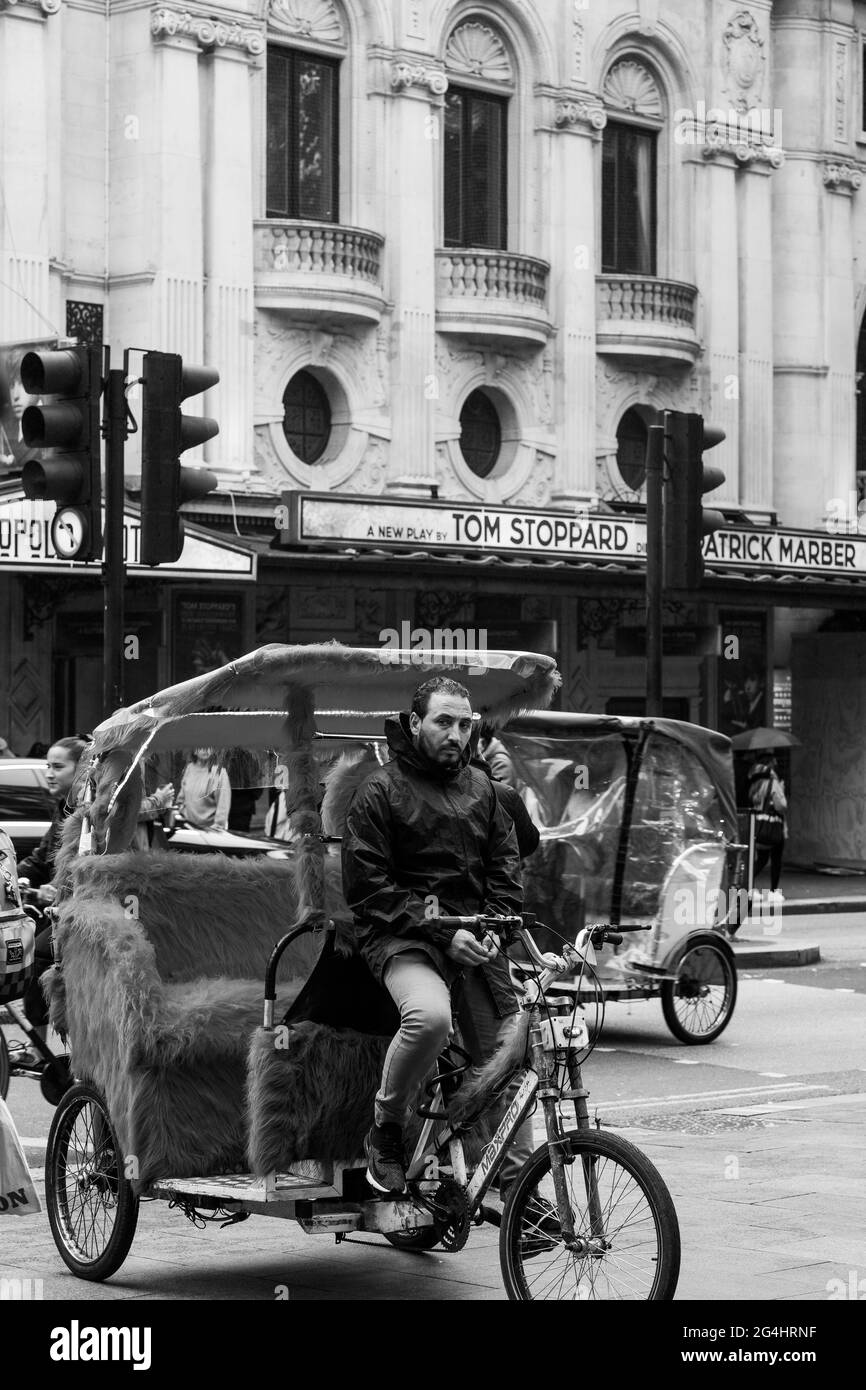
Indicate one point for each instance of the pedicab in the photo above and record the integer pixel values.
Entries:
(198, 1086)
(638, 827)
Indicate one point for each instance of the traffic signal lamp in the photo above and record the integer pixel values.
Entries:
(165, 434)
(66, 426)
(687, 478)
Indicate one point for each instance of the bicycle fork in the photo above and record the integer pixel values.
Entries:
(549, 1095)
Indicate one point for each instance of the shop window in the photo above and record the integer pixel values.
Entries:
(628, 200)
(307, 417)
(480, 433)
(302, 156)
(475, 186)
(631, 442)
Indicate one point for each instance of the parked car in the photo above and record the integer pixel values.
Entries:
(26, 805)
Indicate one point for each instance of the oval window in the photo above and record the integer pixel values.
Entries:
(631, 442)
(480, 433)
(306, 417)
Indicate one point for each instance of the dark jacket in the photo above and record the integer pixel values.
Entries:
(414, 829)
(525, 829)
(39, 865)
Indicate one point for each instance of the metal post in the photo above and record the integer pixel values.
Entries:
(114, 568)
(654, 566)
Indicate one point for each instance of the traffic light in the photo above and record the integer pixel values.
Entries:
(67, 425)
(165, 433)
(687, 478)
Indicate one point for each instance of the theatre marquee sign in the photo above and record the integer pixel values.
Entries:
(311, 518)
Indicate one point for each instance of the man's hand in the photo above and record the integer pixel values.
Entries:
(466, 950)
(46, 894)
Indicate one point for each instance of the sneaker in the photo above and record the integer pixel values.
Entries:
(542, 1231)
(384, 1149)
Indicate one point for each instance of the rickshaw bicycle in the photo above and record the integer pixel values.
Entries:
(189, 1092)
(588, 1217)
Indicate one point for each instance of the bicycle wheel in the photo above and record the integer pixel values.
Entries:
(623, 1215)
(5, 1069)
(91, 1206)
(698, 1004)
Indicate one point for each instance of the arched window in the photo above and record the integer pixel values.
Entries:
(475, 145)
(303, 98)
(629, 198)
(306, 417)
(631, 442)
(480, 433)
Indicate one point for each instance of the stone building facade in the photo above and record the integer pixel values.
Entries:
(454, 252)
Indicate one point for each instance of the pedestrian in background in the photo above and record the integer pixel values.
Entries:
(205, 795)
(769, 805)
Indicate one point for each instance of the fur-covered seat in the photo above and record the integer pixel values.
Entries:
(161, 989)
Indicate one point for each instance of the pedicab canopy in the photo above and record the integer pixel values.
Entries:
(253, 712)
(636, 817)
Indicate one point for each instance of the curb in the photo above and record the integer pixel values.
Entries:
(793, 906)
(758, 956)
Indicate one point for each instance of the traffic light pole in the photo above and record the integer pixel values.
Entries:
(655, 460)
(114, 568)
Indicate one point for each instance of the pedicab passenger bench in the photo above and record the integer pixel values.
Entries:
(161, 994)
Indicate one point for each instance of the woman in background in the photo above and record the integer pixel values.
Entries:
(205, 795)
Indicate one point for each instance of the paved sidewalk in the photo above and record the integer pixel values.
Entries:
(770, 1199)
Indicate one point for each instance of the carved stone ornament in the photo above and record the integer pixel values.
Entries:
(318, 20)
(577, 38)
(579, 113)
(630, 86)
(210, 33)
(417, 75)
(743, 153)
(535, 492)
(743, 60)
(46, 6)
(842, 178)
(476, 50)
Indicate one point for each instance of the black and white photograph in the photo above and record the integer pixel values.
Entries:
(433, 680)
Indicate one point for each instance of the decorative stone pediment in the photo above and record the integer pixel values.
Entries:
(405, 75)
(580, 113)
(842, 178)
(210, 33)
(631, 87)
(46, 6)
(743, 61)
(317, 20)
(476, 50)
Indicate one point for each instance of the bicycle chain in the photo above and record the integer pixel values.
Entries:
(449, 1207)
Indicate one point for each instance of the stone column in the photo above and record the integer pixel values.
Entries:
(717, 264)
(755, 369)
(414, 141)
(841, 182)
(27, 110)
(228, 248)
(576, 128)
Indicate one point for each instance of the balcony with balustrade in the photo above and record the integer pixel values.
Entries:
(492, 297)
(319, 271)
(643, 321)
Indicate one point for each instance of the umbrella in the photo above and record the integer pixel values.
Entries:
(764, 738)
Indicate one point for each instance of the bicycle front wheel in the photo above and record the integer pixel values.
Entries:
(624, 1220)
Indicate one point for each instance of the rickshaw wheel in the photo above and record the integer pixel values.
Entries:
(91, 1206)
(698, 1004)
(5, 1068)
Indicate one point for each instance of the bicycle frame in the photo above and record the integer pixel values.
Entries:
(534, 1081)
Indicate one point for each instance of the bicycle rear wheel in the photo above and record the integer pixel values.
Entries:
(623, 1214)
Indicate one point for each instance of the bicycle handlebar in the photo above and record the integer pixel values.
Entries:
(482, 925)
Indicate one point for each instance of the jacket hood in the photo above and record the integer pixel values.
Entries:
(400, 742)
